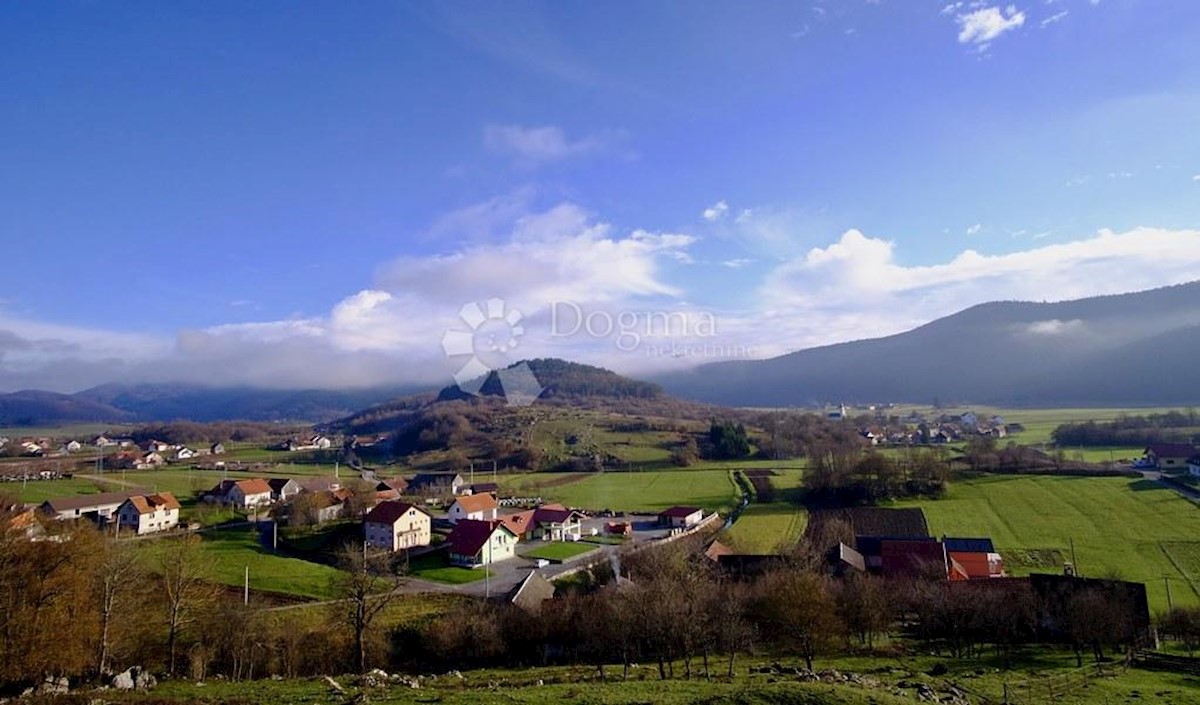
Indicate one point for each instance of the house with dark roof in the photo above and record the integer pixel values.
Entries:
(479, 543)
(1194, 465)
(1170, 456)
(912, 558)
(100, 508)
(150, 513)
(482, 487)
(393, 526)
(436, 484)
(481, 507)
(680, 517)
(283, 488)
(554, 522)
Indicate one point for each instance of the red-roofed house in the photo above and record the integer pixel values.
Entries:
(680, 517)
(520, 523)
(149, 513)
(244, 494)
(480, 507)
(393, 526)
(479, 543)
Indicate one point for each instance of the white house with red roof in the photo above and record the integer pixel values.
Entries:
(480, 507)
(243, 494)
(147, 514)
(393, 526)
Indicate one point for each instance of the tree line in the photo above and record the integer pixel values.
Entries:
(1132, 430)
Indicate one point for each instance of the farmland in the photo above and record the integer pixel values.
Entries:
(653, 491)
(1119, 526)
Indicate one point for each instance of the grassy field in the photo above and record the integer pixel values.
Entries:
(1040, 678)
(561, 550)
(767, 528)
(437, 569)
(650, 491)
(230, 551)
(1119, 527)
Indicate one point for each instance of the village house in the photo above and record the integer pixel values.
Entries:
(147, 514)
(153, 446)
(393, 526)
(283, 488)
(1170, 456)
(73, 446)
(242, 494)
(124, 460)
(100, 508)
(480, 507)
(433, 484)
(393, 488)
(17, 518)
(184, 453)
(216, 449)
(680, 517)
(531, 593)
(150, 461)
(331, 504)
(103, 441)
(554, 522)
(972, 559)
(483, 487)
(520, 523)
(480, 543)
(1194, 465)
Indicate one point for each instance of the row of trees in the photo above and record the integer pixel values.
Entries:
(1132, 430)
(842, 475)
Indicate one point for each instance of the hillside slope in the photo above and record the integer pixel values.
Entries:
(1130, 349)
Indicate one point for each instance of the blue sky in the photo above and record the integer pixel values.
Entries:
(296, 194)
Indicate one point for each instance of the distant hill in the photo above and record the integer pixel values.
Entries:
(116, 403)
(563, 382)
(1124, 350)
(38, 408)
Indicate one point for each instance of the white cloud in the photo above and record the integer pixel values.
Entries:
(1054, 326)
(737, 263)
(857, 288)
(540, 145)
(983, 25)
(1196, 177)
(716, 211)
(1056, 17)
(974, 229)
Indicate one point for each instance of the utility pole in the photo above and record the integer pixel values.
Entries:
(1167, 583)
(246, 589)
(1074, 561)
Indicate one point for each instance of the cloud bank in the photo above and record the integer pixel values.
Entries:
(390, 331)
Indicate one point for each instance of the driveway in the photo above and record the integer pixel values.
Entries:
(1186, 491)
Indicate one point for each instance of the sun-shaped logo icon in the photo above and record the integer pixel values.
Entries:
(493, 330)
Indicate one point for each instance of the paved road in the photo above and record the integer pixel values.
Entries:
(506, 575)
(1185, 490)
